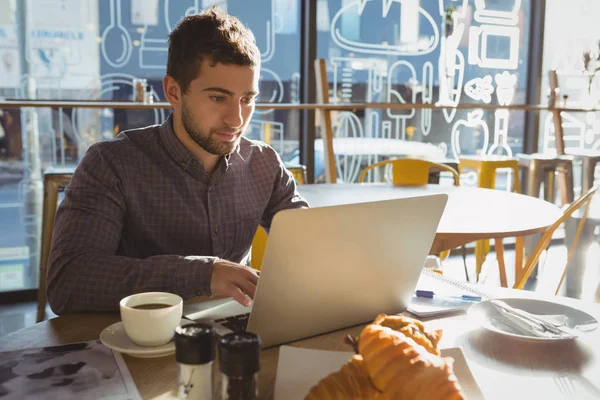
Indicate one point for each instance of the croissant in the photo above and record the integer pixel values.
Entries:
(403, 369)
(413, 329)
(351, 382)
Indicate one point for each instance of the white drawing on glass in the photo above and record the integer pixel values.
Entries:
(451, 72)
(500, 134)
(295, 88)
(346, 84)
(323, 24)
(86, 121)
(401, 67)
(276, 95)
(158, 42)
(154, 39)
(573, 132)
(496, 17)
(590, 136)
(348, 166)
(269, 51)
(478, 46)
(505, 87)
(480, 89)
(476, 127)
(427, 97)
(113, 31)
(193, 9)
(575, 84)
(422, 46)
(343, 77)
(144, 12)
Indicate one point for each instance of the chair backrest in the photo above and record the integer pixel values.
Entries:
(299, 173)
(543, 243)
(559, 138)
(410, 171)
(322, 90)
(53, 182)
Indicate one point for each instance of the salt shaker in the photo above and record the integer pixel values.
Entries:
(239, 362)
(148, 95)
(195, 352)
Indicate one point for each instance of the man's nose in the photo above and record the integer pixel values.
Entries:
(234, 117)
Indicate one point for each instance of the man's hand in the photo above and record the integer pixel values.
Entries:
(234, 280)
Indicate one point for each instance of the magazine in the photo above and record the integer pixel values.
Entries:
(84, 370)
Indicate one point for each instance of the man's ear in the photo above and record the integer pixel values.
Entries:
(172, 91)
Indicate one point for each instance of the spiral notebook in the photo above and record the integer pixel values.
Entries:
(444, 288)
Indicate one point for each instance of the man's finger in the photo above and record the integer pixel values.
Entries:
(246, 286)
(239, 296)
(251, 275)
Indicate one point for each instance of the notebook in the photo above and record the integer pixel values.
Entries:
(442, 303)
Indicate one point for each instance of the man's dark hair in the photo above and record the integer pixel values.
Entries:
(212, 35)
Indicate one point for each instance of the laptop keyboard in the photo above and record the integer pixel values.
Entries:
(236, 323)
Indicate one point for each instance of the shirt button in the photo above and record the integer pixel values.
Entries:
(216, 230)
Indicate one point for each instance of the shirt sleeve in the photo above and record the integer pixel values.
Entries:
(285, 192)
(84, 271)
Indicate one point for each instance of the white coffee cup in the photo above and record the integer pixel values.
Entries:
(151, 326)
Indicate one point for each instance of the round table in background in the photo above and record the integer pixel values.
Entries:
(470, 214)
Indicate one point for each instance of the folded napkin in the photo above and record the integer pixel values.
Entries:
(530, 324)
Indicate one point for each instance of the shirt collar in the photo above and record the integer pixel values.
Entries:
(174, 147)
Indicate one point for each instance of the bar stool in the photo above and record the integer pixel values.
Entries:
(588, 158)
(434, 172)
(486, 168)
(541, 168)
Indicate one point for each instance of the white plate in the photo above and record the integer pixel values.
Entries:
(486, 314)
(114, 337)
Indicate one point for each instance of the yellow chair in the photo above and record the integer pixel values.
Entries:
(410, 171)
(486, 168)
(54, 180)
(547, 236)
(259, 242)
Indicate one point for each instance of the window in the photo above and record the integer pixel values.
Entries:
(424, 51)
(92, 50)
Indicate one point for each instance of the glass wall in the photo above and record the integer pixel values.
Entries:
(571, 30)
(424, 51)
(92, 50)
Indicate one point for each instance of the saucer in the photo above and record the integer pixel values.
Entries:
(114, 337)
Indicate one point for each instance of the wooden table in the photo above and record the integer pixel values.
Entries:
(503, 367)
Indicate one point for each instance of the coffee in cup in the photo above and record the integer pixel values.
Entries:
(150, 318)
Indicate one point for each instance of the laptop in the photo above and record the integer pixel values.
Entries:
(329, 268)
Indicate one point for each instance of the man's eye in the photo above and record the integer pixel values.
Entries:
(248, 100)
(217, 99)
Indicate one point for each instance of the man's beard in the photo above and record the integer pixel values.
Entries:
(206, 140)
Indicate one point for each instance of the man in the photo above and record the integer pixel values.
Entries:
(174, 207)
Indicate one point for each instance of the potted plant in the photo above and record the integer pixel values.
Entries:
(449, 22)
(591, 68)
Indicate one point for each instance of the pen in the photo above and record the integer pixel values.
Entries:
(429, 294)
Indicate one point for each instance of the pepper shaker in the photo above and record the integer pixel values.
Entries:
(239, 362)
(195, 352)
